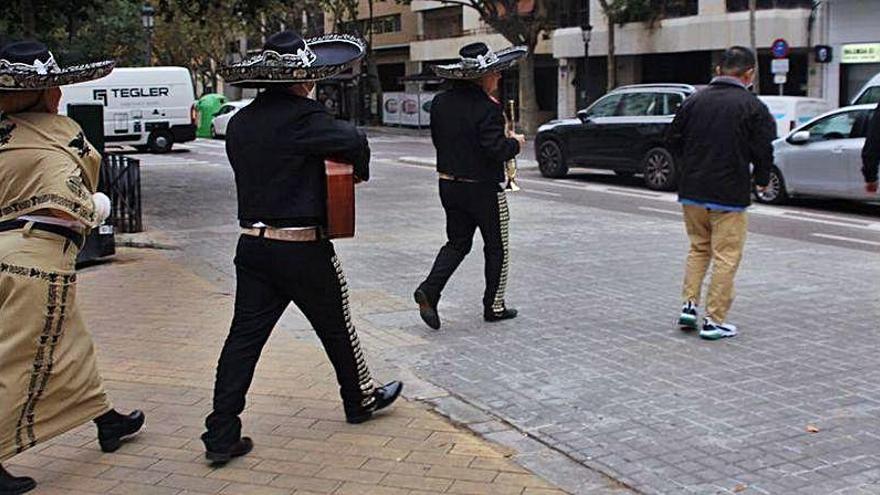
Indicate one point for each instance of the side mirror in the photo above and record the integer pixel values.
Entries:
(799, 137)
(584, 116)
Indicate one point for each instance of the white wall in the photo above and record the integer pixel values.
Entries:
(847, 21)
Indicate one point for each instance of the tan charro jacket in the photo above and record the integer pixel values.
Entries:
(46, 163)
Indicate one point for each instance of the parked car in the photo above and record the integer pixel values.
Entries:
(623, 131)
(821, 158)
(793, 111)
(870, 92)
(224, 114)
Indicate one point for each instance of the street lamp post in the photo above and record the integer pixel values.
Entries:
(148, 14)
(585, 80)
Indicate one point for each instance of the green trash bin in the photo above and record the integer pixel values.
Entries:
(207, 107)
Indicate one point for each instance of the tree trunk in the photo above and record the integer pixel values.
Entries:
(753, 7)
(528, 98)
(28, 18)
(612, 61)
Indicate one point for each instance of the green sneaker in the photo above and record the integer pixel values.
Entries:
(688, 319)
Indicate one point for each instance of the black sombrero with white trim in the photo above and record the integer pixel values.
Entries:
(477, 60)
(287, 58)
(29, 65)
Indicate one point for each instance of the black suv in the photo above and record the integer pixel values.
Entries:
(623, 131)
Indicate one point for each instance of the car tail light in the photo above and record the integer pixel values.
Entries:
(193, 114)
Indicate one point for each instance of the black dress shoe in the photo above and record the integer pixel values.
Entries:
(15, 485)
(427, 309)
(505, 314)
(384, 396)
(113, 427)
(238, 449)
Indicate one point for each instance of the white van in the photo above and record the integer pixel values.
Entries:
(146, 107)
(870, 92)
(793, 111)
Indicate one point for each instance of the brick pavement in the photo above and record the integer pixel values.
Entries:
(594, 366)
(159, 329)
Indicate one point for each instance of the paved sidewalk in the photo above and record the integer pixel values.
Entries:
(159, 329)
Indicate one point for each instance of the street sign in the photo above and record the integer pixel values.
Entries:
(780, 79)
(824, 54)
(779, 66)
(779, 48)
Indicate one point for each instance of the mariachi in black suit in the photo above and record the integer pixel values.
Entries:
(277, 146)
(467, 128)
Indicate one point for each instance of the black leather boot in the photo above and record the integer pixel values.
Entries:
(113, 427)
(384, 397)
(15, 485)
(427, 309)
(505, 314)
(238, 449)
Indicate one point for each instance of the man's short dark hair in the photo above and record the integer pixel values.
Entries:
(736, 61)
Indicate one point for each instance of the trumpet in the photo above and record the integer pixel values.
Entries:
(510, 166)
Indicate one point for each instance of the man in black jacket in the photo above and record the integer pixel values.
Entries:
(717, 136)
(277, 146)
(871, 153)
(468, 131)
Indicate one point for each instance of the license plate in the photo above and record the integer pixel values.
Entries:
(105, 229)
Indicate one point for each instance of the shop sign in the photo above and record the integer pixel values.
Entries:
(860, 53)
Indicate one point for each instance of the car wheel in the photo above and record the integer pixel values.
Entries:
(775, 194)
(160, 141)
(551, 160)
(659, 170)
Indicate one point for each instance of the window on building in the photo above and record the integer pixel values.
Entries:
(573, 13)
(743, 5)
(381, 25)
(442, 23)
(677, 8)
(389, 76)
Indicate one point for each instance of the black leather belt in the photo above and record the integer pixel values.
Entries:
(70, 234)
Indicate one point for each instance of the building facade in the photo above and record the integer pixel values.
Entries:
(852, 29)
(684, 46)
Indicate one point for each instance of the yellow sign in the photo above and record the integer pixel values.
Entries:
(860, 53)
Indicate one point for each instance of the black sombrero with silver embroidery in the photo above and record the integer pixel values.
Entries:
(477, 60)
(29, 65)
(287, 58)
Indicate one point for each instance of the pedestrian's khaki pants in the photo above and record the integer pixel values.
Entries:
(717, 237)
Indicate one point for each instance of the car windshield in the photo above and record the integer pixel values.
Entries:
(871, 95)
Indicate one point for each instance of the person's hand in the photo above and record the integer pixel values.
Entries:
(871, 187)
(102, 206)
(520, 138)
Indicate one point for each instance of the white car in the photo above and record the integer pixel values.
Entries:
(822, 158)
(870, 92)
(224, 114)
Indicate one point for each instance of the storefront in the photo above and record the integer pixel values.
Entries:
(859, 62)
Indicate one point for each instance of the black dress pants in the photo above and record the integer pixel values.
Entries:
(469, 206)
(269, 275)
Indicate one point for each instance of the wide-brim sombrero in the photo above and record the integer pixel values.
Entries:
(479, 64)
(289, 59)
(29, 65)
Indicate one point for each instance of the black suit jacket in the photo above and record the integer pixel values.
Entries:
(467, 128)
(277, 146)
